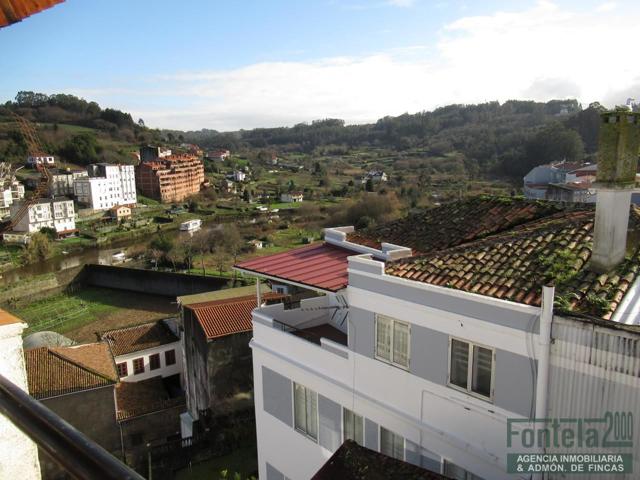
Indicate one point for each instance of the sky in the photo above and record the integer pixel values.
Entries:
(228, 65)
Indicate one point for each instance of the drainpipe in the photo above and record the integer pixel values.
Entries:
(258, 296)
(544, 347)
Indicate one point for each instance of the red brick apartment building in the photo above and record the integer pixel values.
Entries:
(170, 179)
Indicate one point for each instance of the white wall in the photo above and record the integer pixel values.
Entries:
(18, 454)
(164, 370)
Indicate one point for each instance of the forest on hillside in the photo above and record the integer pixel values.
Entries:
(490, 139)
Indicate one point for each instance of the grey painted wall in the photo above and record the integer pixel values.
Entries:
(515, 382)
(276, 392)
(370, 434)
(421, 457)
(361, 331)
(469, 308)
(330, 430)
(429, 354)
(273, 473)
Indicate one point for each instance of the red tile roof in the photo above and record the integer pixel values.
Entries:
(62, 370)
(139, 337)
(226, 317)
(134, 399)
(319, 265)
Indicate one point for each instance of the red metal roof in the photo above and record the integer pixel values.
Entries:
(226, 317)
(320, 265)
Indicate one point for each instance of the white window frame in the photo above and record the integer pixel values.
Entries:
(317, 420)
(404, 442)
(469, 390)
(342, 424)
(375, 340)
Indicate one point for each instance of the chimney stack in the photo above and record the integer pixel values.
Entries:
(617, 164)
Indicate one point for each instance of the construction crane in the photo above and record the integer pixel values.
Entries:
(35, 150)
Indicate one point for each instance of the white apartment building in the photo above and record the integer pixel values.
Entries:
(106, 186)
(57, 213)
(11, 193)
(460, 356)
(61, 181)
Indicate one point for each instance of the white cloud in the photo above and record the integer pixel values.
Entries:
(540, 53)
(606, 7)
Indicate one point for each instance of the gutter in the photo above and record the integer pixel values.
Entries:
(544, 344)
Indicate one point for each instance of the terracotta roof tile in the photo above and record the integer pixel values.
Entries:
(63, 370)
(456, 223)
(226, 317)
(515, 264)
(140, 398)
(139, 337)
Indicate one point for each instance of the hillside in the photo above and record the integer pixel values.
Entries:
(77, 131)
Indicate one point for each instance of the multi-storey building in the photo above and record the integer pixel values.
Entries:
(494, 316)
(106, 186)
(61, 181)
(149, 153)
(13, 191)
(170, 179)
(57, 213)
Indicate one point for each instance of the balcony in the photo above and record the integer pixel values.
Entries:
(313, 334)
(78, 455)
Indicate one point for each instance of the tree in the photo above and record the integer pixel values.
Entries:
(38, 248)
(81, 149)
(369, 185)
(141, 123)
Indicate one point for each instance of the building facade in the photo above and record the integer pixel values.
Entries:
(61, 181)
(170, 179)
(292, 197)
(57, 213)
(145, 351)
(106, 186)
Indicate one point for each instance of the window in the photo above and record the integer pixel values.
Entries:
(392, 341)
(154, 361)
(170, 357)
(122, 369)
(353, 426)
(471, 368)
(305, 406)
(458, 473)
(391, 444)
(138, 366)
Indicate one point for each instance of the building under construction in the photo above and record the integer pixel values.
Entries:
(170, 179)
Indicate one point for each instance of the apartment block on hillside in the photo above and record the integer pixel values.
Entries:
(57, 213)
(61, 181)
(436, 333)
(170, 179)
(106, 186)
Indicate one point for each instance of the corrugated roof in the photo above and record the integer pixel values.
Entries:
(222, 294)
(62, 370)
(139, 337)
(226, 317)
(12, 11)
(320, 265)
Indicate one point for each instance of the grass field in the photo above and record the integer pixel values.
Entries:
(89, 310)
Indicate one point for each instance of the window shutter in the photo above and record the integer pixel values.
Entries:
(383, 336)
(401, 343)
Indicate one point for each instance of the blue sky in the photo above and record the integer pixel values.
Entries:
(243, 64)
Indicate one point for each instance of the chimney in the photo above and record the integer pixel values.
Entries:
(617, 163)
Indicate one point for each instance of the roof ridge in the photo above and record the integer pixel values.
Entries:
(78, 364)
(106, 332)
(232, 300)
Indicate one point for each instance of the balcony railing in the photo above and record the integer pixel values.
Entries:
(80, 456)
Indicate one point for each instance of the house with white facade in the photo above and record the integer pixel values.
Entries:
(12, 191)
(106, 186)
(291, 197)
(376, 176)
(46, 160)
(145, 351)
(57, 213)
(451, 344)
